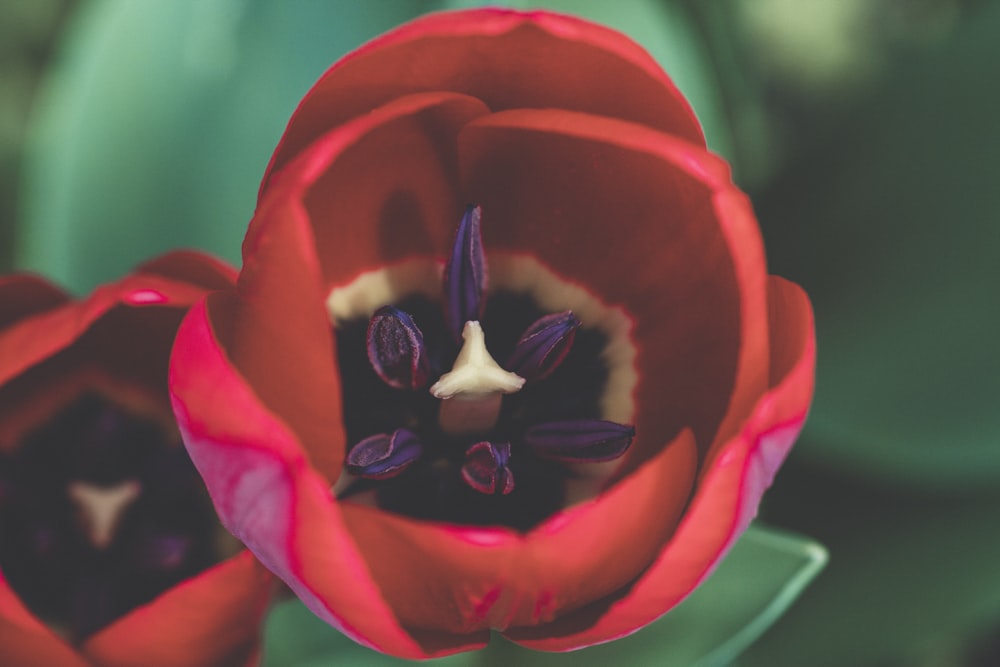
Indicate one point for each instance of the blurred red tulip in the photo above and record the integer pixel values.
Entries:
(110, 551)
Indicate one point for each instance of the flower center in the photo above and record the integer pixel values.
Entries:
(100, 511)
(440, 430)
(471, 392)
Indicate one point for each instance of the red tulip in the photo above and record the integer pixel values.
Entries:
(109, 552)
(595, 195)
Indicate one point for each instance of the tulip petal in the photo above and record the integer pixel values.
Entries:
(193, 267)
(677, 247)
(726, 498)
(125, 329)
(265, 491)
(753, 366)
(26, 641)
(461, 580)
(24, 294)
(505, 58)
(455, 579)
(596, 547)
(208, 620)
(279, 338)
(32, 339)
(383, 187)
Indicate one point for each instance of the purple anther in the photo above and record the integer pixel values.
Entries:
(543, 346)
(486, 469)
(465, 274)
(382, 456)
(579, 441)
(396, 349)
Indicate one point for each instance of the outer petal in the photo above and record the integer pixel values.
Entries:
(507, 59)
(265, 491)
(44, 334)
(27, 642)
(210, 620)
(22, 295)
(192, 267)
(599, 545)
(648, 222)
(727, 496)
(123, 330)
(457, 580)
(280, 336)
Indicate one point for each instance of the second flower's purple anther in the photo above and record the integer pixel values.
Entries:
(579, 441)
(486, 469)
(543, 346)
(396, 349)
(382, 456)
(465, 274)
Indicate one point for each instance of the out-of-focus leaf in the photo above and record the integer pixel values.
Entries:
(764, 573)
(911, 573)
(159, 120)
(892, 229)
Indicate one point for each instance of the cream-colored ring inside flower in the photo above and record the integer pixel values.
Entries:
(516, 273)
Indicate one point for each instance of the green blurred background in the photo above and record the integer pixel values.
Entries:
(866, 132)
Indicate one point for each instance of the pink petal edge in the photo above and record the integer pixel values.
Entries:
(729, 493)
(268, 496)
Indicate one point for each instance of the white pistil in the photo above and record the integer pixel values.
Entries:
(471, 393)
(101, 508)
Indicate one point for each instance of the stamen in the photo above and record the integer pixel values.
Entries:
(102, 508)
(382, 456)
(478, 426)
(579, 441)
(486, 469)
(471, 391)
(396, 349)
(543, 346)
(465, 274)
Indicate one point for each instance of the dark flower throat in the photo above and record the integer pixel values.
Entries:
(100, 512)
(440, 434)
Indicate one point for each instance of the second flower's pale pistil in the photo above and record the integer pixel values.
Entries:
(441, 418)
(101, 507)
